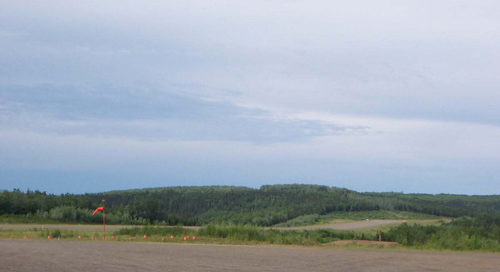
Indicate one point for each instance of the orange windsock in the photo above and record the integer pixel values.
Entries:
(98, 209)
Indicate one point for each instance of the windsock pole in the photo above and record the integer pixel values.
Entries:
(101, 209)
(103, 219)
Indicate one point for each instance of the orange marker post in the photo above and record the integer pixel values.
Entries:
(79, 237)
(171, 237)
(49, 237)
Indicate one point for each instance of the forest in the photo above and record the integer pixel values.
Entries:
(479, 233)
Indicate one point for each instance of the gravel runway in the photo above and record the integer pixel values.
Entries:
(26, 255)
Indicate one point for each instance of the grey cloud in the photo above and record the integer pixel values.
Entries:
(75, 102)
(145, 113)
(416, 60)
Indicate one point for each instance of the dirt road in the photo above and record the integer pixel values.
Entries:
(25, 255)
(69, 227)
(351, 225)
(338, 226)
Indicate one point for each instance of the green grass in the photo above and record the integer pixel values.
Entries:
(24, 219)
(225, 234)
(216, 234)
(41, 234)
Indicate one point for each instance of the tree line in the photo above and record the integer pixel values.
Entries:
(479, 233)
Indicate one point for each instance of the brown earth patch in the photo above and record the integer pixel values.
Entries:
(364, 243)
(71, 227)
(26, 255)
(356, 225)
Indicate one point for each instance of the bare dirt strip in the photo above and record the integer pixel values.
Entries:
(69, 227)
(26, 255)
(338, 226)
(351, 225)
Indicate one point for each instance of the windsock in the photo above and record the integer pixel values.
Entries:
(98, 209)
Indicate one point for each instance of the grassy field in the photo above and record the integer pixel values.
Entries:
(249, 235)
(219, 234)
(224, 234)
(209, 234)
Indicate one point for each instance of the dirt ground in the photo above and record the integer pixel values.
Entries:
(337, 226)
(365, 243)
(351, 225)
(68, 227)
(26, 255)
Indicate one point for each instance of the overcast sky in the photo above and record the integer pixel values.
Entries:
(366, 95)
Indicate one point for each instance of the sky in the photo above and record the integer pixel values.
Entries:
(367, 95)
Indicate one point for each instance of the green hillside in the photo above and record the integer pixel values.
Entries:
(266, 206)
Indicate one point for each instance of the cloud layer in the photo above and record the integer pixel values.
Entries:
(143, 113)
(371, 96)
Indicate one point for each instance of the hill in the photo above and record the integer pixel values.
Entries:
(267, 206)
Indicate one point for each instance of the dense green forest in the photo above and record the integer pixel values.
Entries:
(479, 233)
(266, 206)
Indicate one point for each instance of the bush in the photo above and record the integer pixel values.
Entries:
(55, 233)
(461, 234)
(152, 230)
(249, 233)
